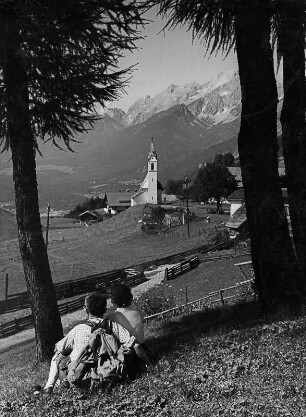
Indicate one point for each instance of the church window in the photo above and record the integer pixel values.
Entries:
(152, 166)
(152, 179)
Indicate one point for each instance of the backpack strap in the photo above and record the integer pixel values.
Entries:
(106, 345)
(83, 352)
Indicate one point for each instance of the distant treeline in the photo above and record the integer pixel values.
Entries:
(93, 203)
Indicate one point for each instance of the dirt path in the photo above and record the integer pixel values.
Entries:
(69, 319)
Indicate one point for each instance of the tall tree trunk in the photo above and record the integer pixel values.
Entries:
(272, 253)
(292, 29)
(33, 251)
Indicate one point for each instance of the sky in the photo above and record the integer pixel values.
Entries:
(168, 57)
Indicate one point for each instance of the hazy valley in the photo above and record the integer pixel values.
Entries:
(189, 124)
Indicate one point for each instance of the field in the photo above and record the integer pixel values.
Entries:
(206, 278)
(233, 361)
(76, 251)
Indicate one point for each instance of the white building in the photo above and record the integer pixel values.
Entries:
(150, 189)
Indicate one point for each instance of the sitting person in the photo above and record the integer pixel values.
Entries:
(75, 341)
(131, 318)
(126, 313)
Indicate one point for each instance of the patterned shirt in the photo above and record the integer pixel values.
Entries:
(77, 338)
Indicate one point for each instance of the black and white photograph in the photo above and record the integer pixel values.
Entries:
(152, 208)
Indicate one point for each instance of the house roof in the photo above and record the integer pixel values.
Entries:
(119, 199)
(236, 171)
(170, 197)
(238, 218)
(239, 195)
(88, 212)
(236, 195)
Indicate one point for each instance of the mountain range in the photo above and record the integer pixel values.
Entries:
(189, 124)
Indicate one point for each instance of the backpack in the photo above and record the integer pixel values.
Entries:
(102, 359)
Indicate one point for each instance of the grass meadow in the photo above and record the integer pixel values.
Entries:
(232, 361)
(229, 361)
(77, 251)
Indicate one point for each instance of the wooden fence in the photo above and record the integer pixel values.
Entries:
(68, 289)
(201, 303)
(73, 288)
(210, 299)
(181, 268)
(132, 278)
(20, 324)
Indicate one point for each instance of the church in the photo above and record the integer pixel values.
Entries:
(150, 189)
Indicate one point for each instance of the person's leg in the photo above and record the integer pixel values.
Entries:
(143, 355)
(54, 371)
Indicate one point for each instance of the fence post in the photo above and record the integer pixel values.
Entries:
(221, 297)
(186, 295)
(16, 324)
(6, 289)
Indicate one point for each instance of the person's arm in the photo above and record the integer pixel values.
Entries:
(65, 345)
(123, 335)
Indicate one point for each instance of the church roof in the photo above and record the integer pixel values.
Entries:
(139, 193)
(145, 183)
(152, 152)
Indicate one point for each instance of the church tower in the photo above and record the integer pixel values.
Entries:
(152, 175)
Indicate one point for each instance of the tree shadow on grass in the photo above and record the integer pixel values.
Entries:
(185, 331)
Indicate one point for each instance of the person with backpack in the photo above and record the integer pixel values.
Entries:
(131, 318)
(69, 350)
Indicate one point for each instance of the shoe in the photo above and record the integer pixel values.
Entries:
(64, 384)
(37, 389)
(48, 390)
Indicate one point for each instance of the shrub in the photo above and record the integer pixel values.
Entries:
(91, 204)
(155, 301)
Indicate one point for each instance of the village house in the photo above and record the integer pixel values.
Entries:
(118, 202)
(237, 223)
(91, 216)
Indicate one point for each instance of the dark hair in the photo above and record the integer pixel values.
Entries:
(95, 303)
(121, 295)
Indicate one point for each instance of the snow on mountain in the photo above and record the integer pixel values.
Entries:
(118, 115)
(214, 102)
(144, 108)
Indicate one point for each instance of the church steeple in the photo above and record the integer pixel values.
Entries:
(152, 152)
(152, 175)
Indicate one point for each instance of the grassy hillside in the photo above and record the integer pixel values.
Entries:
(77, 251)
(8, 225)
(230, 362)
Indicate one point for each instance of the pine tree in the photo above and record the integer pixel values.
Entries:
(290, 28)
(246, 25)
(58, 60)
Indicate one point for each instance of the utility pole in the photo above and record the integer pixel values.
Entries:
(47, 228)
(186, 183)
